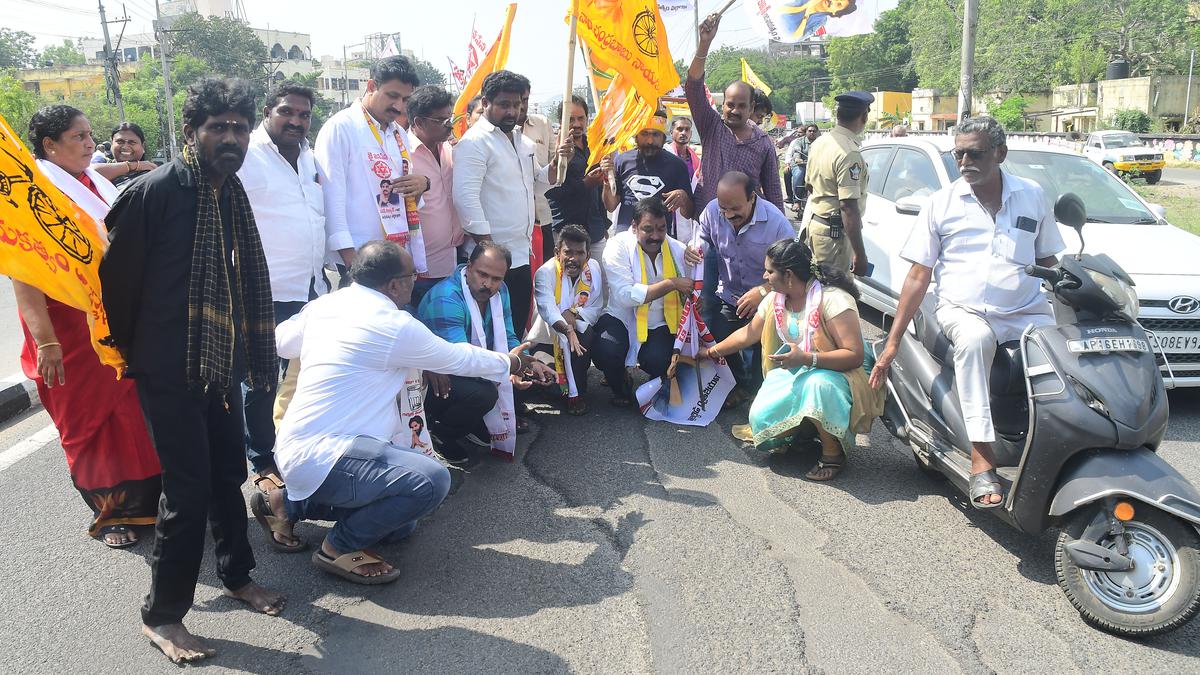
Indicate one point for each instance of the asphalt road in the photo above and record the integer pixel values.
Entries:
(613, 545)
(1178, 176)
(10, 334)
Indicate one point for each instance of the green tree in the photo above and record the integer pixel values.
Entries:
(17, 104)
(1133, 120)
(66, 54)
(881, 60)
(1010, 112)
(429, 73)
(790, 77)
(16, 49)
(227, 45)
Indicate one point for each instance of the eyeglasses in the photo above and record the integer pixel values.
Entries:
(975, 155)
(447, 122)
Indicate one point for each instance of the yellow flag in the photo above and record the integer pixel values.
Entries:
(749, 77)
(629, 37)
(622, 113)
(50, 243)
(495, 59)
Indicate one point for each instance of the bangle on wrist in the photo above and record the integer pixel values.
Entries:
(44, 345)
(814, 359)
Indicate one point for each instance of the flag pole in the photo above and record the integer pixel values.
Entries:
(725, 8)
(564, 125)
(587, 62)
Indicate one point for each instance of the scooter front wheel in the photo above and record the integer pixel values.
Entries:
(1161, 592)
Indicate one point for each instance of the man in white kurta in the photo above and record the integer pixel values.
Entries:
(344, 445)
(496, 178)
(973, 240)
(358, 148)
(648, 282)
(569, 293)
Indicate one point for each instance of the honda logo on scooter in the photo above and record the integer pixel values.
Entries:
(1183, 304)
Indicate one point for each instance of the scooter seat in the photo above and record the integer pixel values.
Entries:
(930, 334)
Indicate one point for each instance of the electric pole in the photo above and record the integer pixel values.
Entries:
(168, 99)
(966, 77)
(111, 74)
(1187, 105)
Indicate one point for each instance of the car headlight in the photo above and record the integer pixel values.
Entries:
(1121, 293)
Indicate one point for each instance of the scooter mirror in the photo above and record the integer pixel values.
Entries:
(1070, 211)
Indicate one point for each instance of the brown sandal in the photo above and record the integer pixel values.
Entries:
(833, 467)
(273, 525)
(272, 480)
(345, 564)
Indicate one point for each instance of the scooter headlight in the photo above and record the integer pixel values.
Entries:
(1121, 293)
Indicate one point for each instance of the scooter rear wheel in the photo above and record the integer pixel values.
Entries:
(1162, 591)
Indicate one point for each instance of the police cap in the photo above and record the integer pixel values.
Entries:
(853, 100)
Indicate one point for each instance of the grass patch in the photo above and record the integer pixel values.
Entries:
(1182, 202)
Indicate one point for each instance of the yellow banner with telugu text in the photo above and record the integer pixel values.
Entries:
(48, 242)
(629, 38)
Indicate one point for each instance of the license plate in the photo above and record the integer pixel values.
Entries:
(1175, 343)
(1118, 344)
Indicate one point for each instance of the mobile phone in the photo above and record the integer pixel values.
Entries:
(870, 269)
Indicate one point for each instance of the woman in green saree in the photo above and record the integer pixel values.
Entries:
(815, 363)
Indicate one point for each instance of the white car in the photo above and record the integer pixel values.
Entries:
(1125, 154)
(904, 172)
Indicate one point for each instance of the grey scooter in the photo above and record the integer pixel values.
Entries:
(1079, 410)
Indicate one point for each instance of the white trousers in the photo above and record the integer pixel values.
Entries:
(974, 349)
(975, 341)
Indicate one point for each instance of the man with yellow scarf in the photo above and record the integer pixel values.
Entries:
(646, 273)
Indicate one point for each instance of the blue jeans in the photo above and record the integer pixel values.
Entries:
(259, 404)
(376, 492)
(747, 363)
(797, 175)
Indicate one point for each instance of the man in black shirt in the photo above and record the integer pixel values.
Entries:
(577, 201)
(649, 172)
(187, 293)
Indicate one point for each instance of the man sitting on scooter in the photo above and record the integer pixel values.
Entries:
(975, 238)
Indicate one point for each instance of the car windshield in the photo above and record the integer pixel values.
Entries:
(1108, 199)
(1121, 141)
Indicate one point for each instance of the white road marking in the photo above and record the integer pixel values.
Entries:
(28, 446)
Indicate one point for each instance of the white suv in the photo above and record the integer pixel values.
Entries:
(1161, 258)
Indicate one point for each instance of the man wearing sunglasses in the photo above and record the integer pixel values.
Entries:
(975, 237)
(430, 110)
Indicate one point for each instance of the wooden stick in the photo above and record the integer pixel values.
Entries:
(587, 62)
(725, 8)
(564, 126)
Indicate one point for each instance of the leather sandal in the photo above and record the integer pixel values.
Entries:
(345, 564)
(983, 484)
(268, 482)
(273, 525)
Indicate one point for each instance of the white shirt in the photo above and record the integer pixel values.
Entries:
(341, 150)
(543, 296)
(537, 129)
(979, 264)
(626, 292)
(355, 349)
(494, 185)
(289, 211)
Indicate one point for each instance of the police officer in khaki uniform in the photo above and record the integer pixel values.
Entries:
(836, 182)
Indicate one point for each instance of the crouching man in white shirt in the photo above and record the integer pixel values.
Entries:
(358, 351)
(974, 239)
(569, 294)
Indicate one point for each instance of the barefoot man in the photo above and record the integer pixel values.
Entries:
(186, 285)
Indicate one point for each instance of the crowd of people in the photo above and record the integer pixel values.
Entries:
(354, 316)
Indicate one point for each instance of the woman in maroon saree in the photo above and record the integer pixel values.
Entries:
(109, 452)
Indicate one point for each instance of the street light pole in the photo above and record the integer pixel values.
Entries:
(168, 98)
(966, 75)
(1187, 104)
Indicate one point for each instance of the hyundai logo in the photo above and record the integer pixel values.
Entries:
(1183, 304)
